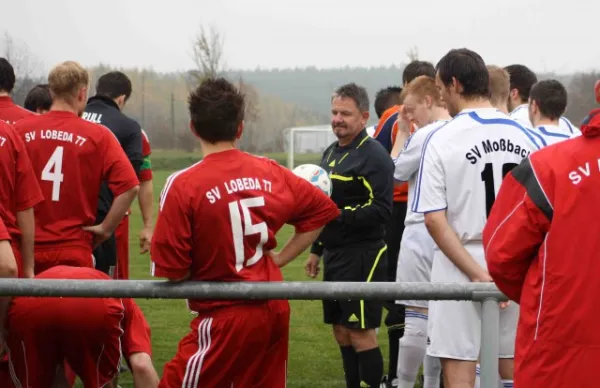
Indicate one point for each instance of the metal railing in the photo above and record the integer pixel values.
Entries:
(486, 293)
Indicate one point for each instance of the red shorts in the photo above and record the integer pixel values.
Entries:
(240, 346)
(122, 240)
(72, 257)
(46, 332)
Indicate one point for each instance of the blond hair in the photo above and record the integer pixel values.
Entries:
(421, 87)
(66, 78)
(499, 85)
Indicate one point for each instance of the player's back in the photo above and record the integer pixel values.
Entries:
(218, 219)
(476, 149)
(553, 134)
(69, 157)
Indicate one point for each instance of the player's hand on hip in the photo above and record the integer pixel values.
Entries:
(312, 267)
(145, 239)
(100, 232)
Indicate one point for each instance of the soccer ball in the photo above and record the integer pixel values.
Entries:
(315, 175)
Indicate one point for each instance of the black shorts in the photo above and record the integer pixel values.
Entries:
(366, 263)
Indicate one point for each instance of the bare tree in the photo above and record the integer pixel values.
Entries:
(26, 64)
(413, 53)
(207, 51)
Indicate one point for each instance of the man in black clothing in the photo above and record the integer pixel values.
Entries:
(353, 246)
(112, 92)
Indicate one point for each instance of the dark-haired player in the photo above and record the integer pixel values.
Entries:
(217, 222)
(38, 99)
(9, 111)
(462, 165)
(416, 69)
(522, 80)
(113, 90)
(547, 103)
(71, 158)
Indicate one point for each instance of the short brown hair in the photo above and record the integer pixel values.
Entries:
(422, 86)
(216, 109)
(66, 78)
(499, 85)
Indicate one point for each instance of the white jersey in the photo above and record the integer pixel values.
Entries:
(407, 166)
(463, 164)
(371, 130)
(553, 134)
(521, 115)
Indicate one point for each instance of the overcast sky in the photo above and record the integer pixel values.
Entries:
(547, 35)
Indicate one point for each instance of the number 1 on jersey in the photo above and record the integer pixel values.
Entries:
(487, 176)
(241, 229)
(56, 176)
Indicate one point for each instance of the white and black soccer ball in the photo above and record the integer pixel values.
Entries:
(315, 175)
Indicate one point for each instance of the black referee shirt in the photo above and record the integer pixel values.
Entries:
(362, 178)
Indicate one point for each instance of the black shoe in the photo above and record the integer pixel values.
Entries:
(385, 383)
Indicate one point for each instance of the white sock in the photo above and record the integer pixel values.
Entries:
(507, 383)
(477, 372)
(432, 367)
(411, 351)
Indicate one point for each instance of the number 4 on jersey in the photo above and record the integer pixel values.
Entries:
(56, 176)
(241, 229)
(487, 176)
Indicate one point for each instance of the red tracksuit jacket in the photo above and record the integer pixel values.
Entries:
(542, 242)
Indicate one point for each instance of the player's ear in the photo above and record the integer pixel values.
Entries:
(193, 129)
(428, 102)
(240, 130)
(365, 118)
(456, 86)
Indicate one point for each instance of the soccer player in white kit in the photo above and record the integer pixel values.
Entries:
(423, 105)
(547, 103)
(461, 169)
(522, 80)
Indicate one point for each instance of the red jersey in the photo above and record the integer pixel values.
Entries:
(542, 245)
(218, 217)
(11, 112)
(71, 157)
(3, 232)
(19, 188)
(146, 169)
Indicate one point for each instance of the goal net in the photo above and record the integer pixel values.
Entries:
(306, 144)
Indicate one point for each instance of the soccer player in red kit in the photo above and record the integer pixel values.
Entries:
(71, 158)
(217, 222)
(87, 333)
(8, 268)
(19, 192)
(9, 111)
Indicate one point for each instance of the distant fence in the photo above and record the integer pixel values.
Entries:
(486, 293)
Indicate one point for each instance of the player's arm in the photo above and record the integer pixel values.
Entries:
(122, 182)
(430, 199)
(403, 125)
(516, 228)
(8, 269)
(136, 346)
(312, 211)
(172, 240)
(376, 175)
(27, 195)
(317, 247)
(146, 199)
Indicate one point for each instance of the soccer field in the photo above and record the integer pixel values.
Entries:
(314, 359)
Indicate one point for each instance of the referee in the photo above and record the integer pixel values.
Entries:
(353, 246)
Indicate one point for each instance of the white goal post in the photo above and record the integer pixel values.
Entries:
(307, 140)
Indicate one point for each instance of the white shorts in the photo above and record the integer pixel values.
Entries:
(415, 259)
(455, 327)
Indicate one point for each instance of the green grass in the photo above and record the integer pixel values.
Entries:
(314, 359)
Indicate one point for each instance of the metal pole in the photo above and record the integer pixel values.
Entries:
(244, 290)
(291, 149)
(490, 327)
(173, 143)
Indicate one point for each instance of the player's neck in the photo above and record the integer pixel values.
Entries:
(62, 106)
(208, 148)
(474, 103)
(4, 94)
(440, 114)
(543, 121)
